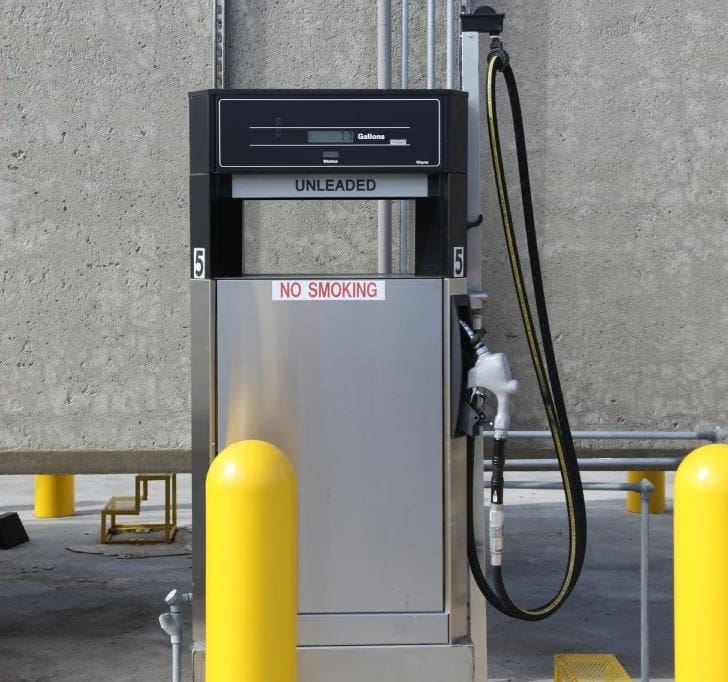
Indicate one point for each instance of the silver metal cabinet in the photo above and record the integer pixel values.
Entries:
(357, 394)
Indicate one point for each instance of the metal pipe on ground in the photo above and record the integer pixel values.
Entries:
(714, 436)
(597, 464)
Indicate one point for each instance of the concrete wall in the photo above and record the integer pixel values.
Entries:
(94, 317)
(625, 108)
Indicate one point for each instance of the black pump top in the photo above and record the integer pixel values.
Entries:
(483, 20)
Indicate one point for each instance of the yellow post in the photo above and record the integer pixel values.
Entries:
(701, 566)
(54, 496)
(251, 558)
(657, 496)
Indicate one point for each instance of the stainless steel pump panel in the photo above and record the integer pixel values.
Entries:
(349, 387)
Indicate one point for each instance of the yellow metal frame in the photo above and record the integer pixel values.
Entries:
(131, 506)
(589, 668)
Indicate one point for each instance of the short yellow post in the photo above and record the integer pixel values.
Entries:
(701, 566)
(54, 496)
(251, 557)
(657, 497)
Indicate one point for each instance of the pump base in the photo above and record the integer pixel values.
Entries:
(380, 663)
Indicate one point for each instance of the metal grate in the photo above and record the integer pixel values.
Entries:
(589, 668)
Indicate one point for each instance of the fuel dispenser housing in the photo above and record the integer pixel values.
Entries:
(357, 378)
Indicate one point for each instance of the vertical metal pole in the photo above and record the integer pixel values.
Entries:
(450, 41)
(218, 43)
(176, 662)
(471, 85)
(644, 582)
(431, 37)
(384, 81)
(404, 204)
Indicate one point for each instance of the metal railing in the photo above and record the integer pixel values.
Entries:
(644, 488)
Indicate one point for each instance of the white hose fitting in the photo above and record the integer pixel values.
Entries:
(495, 534)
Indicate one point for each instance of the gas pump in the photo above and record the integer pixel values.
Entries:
(372, 384)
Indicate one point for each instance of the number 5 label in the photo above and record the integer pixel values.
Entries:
(458, 261)
(198, 263)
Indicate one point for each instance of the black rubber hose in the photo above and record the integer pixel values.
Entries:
(474, 493)
(535, 261)
(546, 373)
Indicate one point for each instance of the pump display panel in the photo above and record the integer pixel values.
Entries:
(320, 132)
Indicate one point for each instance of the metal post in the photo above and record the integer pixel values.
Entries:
(646, 489)
(701, 565)
(431, 38)
(657, 498)
(404, 204)
(471, 84)
(218, 43)
(384, 81)
(54, 496)
(251, 561)
(450, 41)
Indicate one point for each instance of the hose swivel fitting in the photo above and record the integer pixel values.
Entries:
(497, 50)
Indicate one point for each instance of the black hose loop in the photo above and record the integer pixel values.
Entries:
(543, 358)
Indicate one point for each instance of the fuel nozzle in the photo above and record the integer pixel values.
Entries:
(491, 372)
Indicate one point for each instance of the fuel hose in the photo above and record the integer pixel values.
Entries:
(544, 364)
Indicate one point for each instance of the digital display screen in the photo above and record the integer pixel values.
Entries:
(330, 136)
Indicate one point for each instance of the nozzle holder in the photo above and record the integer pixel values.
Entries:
(483, 20)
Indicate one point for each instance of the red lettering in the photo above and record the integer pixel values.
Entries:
(295, 289)
(324, 289)
(372, 289)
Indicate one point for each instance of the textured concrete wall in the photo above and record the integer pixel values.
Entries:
(93, 216)
(625, 108)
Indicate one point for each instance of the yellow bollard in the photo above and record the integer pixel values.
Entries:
(701, 566)
(657, 496)
(251, 558)
(54, 496)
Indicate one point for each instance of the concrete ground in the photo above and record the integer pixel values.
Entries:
(78, 617)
